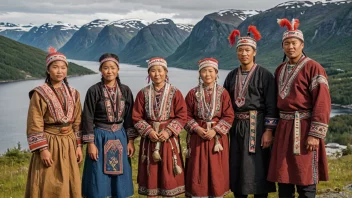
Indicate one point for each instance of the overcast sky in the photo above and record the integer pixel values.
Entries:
(79, 12)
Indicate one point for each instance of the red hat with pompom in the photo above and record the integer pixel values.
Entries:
(245, 40)
(55, 56)
(292, 31)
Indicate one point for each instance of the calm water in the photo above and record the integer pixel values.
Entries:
(14, 99)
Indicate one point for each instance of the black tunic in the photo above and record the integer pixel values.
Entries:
(248, 171)
(94, 111)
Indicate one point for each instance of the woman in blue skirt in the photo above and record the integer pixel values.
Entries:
(108, 130)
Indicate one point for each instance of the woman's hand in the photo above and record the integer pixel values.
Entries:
(45, 156)
(93, 151)
(79, 154)
(130, 148)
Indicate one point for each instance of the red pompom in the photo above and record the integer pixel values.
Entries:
(296, 24)
(255, 32)
(285, 22)
(51, 50)
(232, 37)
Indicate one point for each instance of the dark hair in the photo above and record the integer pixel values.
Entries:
(110, 55)
(48, 81)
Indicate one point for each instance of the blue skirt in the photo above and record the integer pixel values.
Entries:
(111, 175)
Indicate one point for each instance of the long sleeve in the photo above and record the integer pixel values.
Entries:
(227, 115)
(77, 119)
(88, 116)
(139, 116)
(35, 123)
(191, 124)
(128, 122)
(180, 111)
(319, 89)
(270, 97)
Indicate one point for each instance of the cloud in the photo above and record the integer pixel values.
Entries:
(83, 11)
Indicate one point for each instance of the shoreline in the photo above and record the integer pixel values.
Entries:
(21, 80)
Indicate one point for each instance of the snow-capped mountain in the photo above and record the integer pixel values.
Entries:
(49, 34)
(13, 31)
(242, 14)
(185, 27)
(114, 37)
(78, 46)
(160, 38)
(98, 23)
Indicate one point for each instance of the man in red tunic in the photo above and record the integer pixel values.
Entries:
(298, 156)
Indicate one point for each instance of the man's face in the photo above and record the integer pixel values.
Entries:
(293, 47)
(245, 54)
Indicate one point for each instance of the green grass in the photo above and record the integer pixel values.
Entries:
(14, 167)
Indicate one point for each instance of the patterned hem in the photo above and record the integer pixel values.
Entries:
(143, 128)
(191, 126)
(88, 138)
(222, 127)
(161, 192)
(175, 126)
(318, 129)
(188, 194)
(36, 141)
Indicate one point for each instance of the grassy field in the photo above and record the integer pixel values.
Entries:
(14, 166)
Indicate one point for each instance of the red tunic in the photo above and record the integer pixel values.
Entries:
(159, 178)
(207, 172)
(304, 90)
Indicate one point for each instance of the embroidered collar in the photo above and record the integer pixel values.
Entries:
(241, 90)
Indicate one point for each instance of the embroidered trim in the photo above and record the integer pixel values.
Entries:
(241, 90)
(252, 130)
(242, 115)
(291, 115)
(297, 134)
(161, 192)
(188, 194)
(36, 141)
(113, 161)
(286, 78)
(175, 126)
(165, 109)
(78, 135)
(143, 128)
(132, 133)
(222, 127)
(191, 125)
(315, 167)
(318, 129)
(118, 104)
(54, 104)
(88, 138)
(316, 80)
(271, 121)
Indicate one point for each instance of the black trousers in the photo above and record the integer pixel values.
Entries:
(288, 191)
(255, 196)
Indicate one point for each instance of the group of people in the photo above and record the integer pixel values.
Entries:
(255, 130)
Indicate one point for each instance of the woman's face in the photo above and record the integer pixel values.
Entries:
(109, 70)
(208, 75)
(57, 71)
(157, 74)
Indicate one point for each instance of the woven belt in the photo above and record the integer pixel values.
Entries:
(57, 129)
(252, 117)
(110, 127)
(297, 116)
(242, 115)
